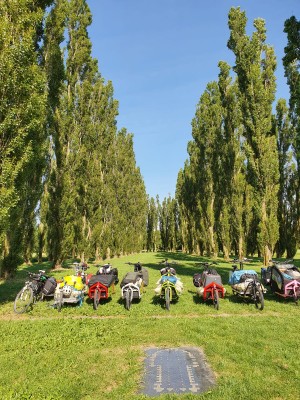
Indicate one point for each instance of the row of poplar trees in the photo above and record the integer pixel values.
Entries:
(239, 189)
(69, 179)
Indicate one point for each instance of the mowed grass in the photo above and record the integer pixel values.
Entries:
(84, 354)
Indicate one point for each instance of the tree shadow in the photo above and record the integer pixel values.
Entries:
(159, 301)
(11, 286)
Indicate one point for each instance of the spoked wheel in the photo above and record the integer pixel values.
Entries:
(168, 298)
(96, 298)
(23, 300)
(296, 298)
(59, 302)
(216, 299)
(128, 299)
(259, 299)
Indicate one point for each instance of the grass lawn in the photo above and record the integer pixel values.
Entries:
(85, 354)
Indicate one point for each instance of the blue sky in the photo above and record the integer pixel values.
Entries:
(160, 55)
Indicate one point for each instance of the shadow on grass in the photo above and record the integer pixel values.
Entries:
(159, 301)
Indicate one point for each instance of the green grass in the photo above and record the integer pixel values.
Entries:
(85, 354)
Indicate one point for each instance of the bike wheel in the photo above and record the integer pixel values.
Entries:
(128, 299)
(168, 298)
(259, 299)
(96, 298)
(23, 300)
(216, 299)
(59, 302)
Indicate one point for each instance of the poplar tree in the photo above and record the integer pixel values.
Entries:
(206, 126)
(287, 210)
(51, 227)
(152, 225)
(190, 221)
(291, 63)
(22, 126)
(100, 208)
(255, 66)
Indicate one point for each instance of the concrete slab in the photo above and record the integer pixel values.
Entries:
(176, 370)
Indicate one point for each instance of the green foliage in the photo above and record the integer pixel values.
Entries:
(22, 125)
(291, 63)
(255, 66)
(94, 200)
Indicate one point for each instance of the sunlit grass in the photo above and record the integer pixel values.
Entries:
(81, 353)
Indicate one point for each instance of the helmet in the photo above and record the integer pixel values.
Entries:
(67, 290)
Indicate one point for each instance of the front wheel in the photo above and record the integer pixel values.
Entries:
(59, 302)
(23, 300)
(96, 298)
(168, 298)
(259, 299)
(296, 298)
(216, 299)
(128, 299)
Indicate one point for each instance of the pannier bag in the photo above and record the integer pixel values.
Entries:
(197, 280)
(49, 287)
(105, 269)
(163, 271)
(145, 276)
(266, 275)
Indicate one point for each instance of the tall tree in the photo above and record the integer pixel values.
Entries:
(255, 66)
(22, 125)
(51, 229)
(206, 127)
(287, 210)
(152, 225)
(291, 62)
(231, 178)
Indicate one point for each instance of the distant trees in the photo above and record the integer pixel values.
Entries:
(238, 191)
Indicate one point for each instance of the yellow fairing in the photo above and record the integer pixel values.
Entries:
(75, 281)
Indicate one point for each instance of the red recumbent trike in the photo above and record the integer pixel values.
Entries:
(209, 284)
(100, 283)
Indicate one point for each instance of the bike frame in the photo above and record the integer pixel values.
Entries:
(167, 284)
(292, 289)
(209, 291)
(102, 290)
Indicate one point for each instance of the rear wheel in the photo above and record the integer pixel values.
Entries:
(168, 298)
(216, 299)
(96, 298)
(23, 300)
(259, 299)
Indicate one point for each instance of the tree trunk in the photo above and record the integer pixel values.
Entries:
(226, 253)
(267, 255)
(240, 249)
